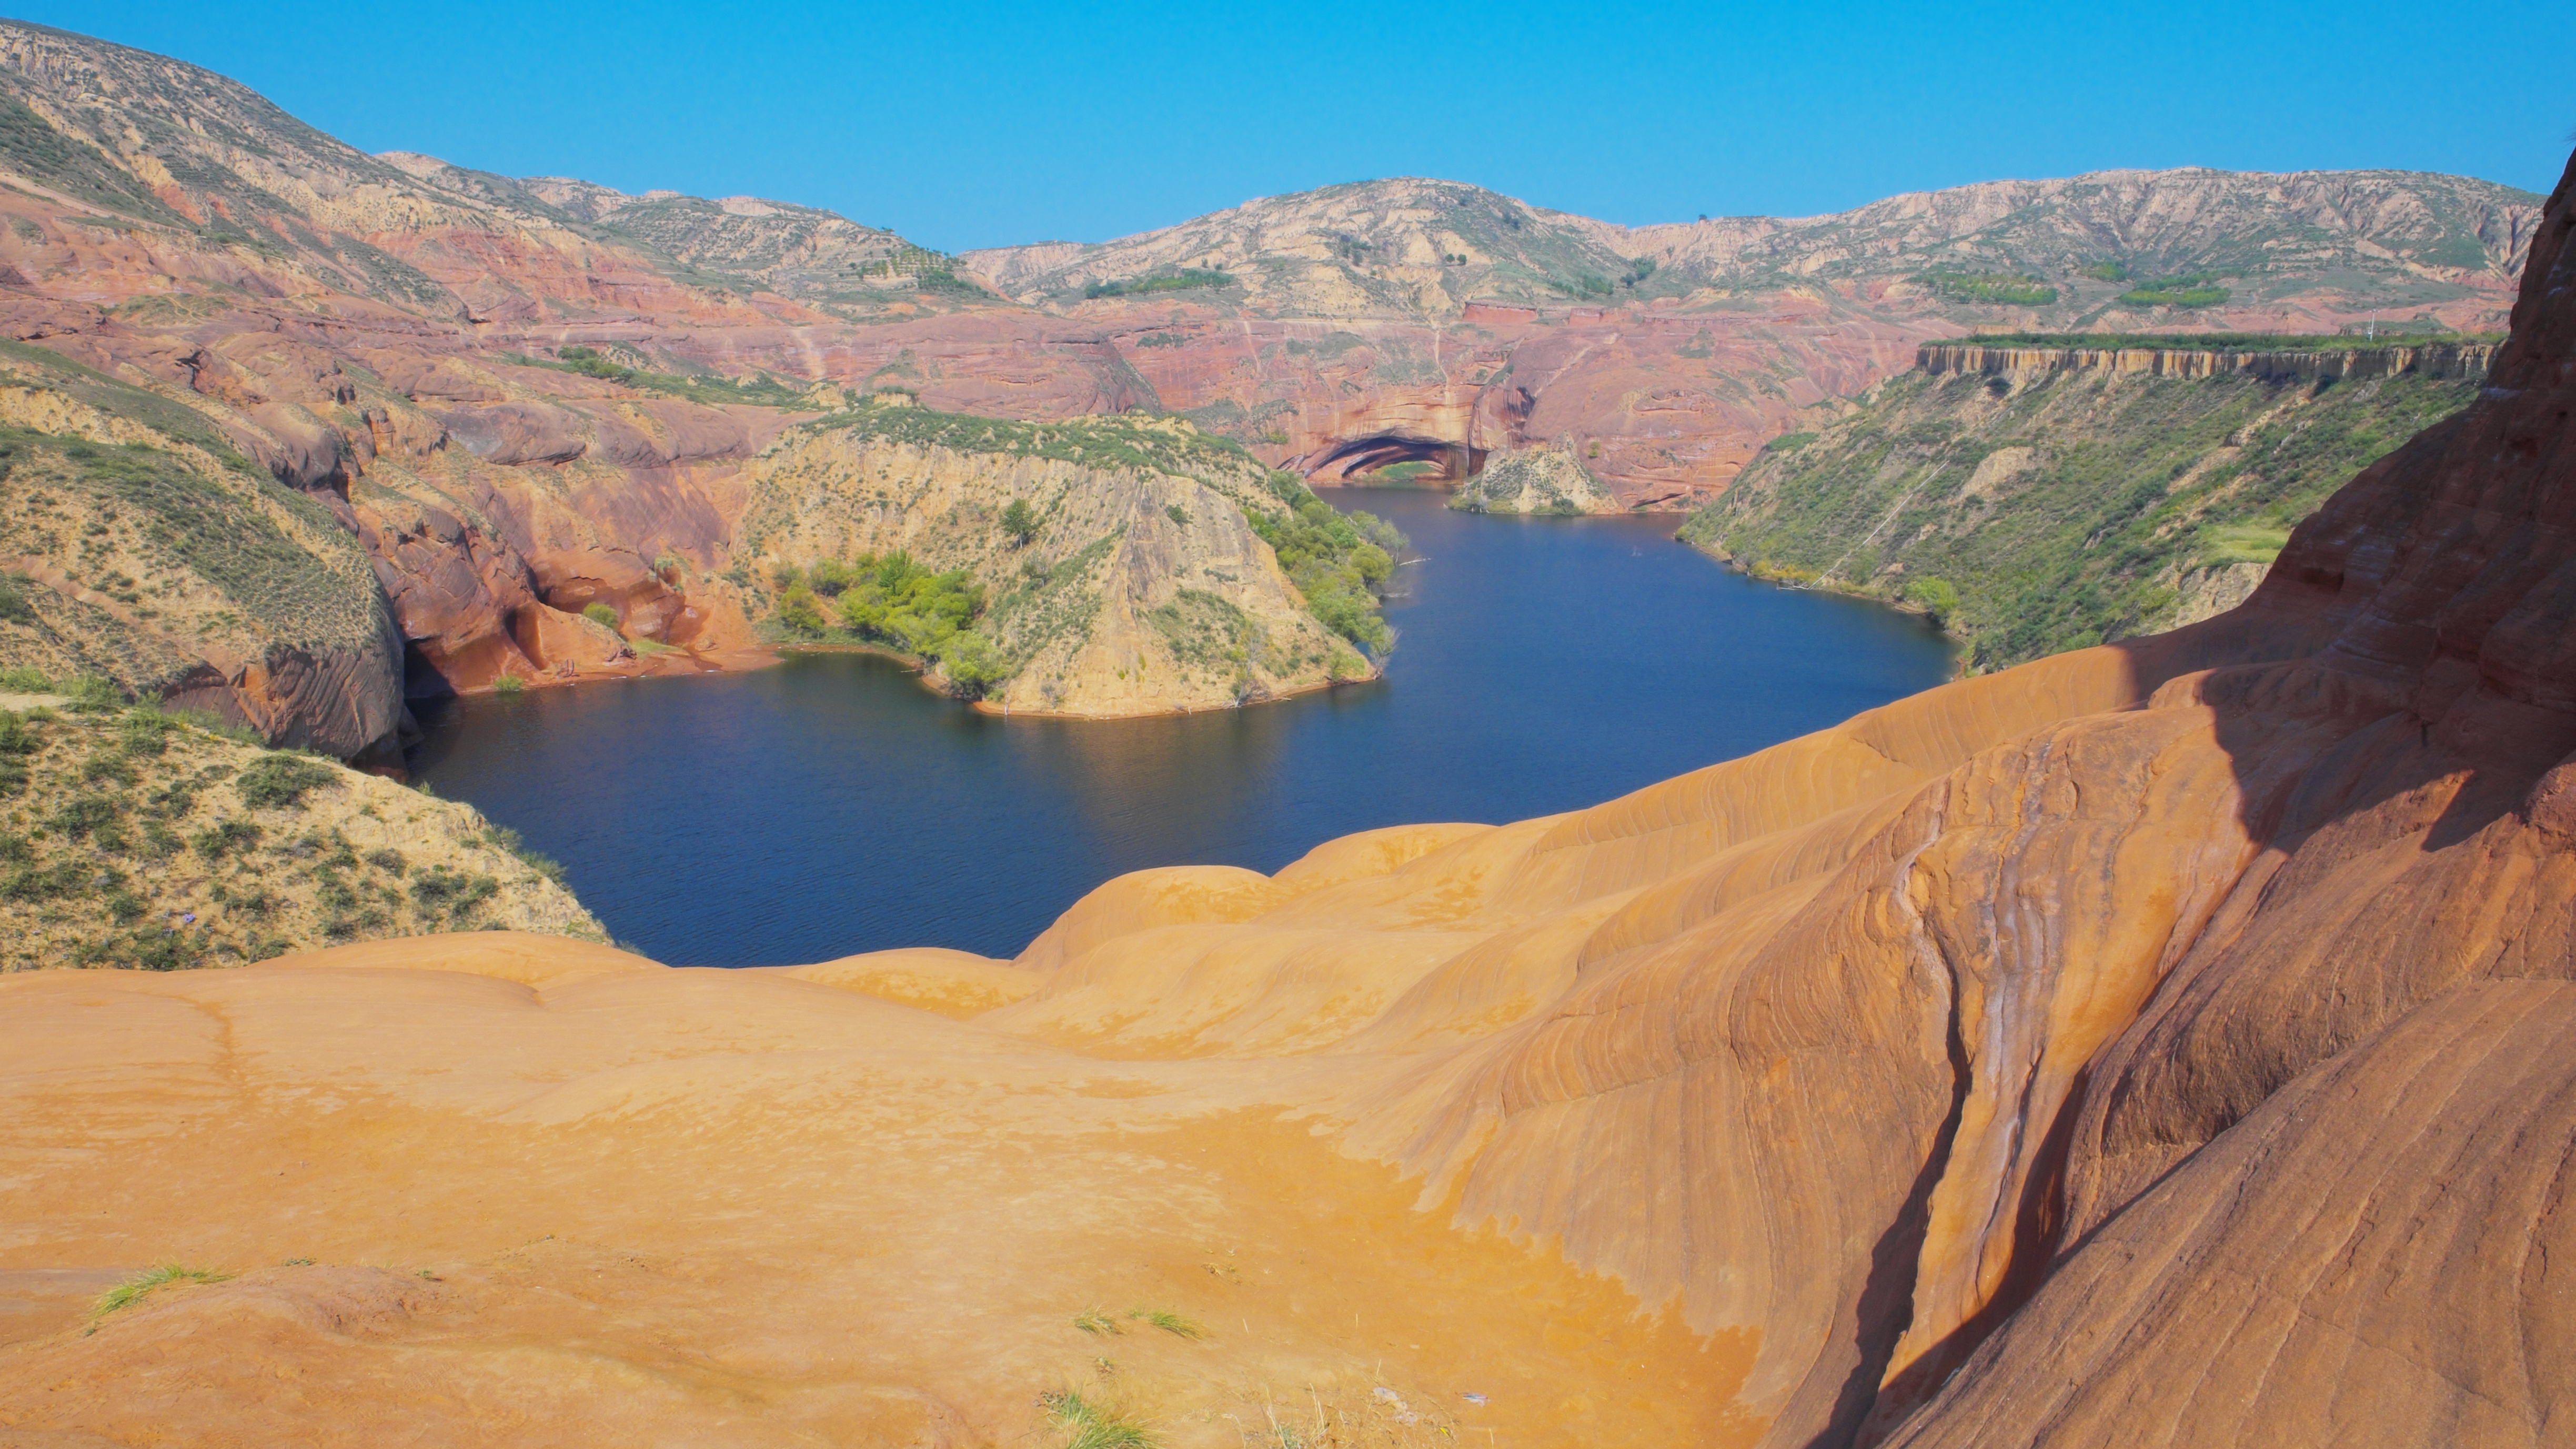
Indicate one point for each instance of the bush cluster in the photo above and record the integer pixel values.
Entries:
(893, 599)
(1341, 564)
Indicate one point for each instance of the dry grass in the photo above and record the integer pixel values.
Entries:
(1169, 1322)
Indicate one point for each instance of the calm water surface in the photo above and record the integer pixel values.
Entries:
(832, 805)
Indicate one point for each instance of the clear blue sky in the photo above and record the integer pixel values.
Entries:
(966, 125)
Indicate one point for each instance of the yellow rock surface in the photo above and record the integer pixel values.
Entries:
(952, 983)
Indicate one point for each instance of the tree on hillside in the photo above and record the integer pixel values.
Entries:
(1020, 521)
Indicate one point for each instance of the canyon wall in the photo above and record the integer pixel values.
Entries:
(2034, 500)
(528, 396)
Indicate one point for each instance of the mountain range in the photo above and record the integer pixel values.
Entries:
(529, 396)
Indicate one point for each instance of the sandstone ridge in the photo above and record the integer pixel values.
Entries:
(2450, 359)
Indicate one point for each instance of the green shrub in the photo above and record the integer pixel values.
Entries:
(2200, 289)
(83, 815)
(506, 684)
(602, 615)
(1339, 565)
(135, 1289)
(63, 879)
(1935, 595)
(146, 731)
(24, 679)
(93, 695)
(280, 781)
(225, 839)
(1020, 521)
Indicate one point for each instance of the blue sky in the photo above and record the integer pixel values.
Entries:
(967, 125)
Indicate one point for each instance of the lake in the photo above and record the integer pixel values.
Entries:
(832, 805)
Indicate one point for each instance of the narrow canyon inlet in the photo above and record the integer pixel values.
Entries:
(832, 805)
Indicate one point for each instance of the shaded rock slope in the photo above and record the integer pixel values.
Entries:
(2159, 1044)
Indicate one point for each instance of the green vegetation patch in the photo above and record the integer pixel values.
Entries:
(1341, 564)
(2199, 289)
(762, 391)
(1990, 288)
(2222, 341)
(1092, 1424)
(893, 600)
(141, 1286)
(1103, 443)
(1187, 279)
(311, 587)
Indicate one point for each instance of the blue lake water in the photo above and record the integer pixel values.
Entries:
(832, 805)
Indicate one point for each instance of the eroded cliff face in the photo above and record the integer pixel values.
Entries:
(374, 347)
(1141, 590)
(139, 548)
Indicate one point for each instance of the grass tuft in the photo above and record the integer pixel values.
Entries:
(1096, 1320)
(1169, 1322)
(1094, 1426)
(135, 1289)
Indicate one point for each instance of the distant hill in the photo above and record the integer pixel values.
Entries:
(2063, 252)
(1358, 327)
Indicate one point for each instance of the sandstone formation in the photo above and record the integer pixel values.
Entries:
(1144, 588)
(2158, 1044)
(1534, 480)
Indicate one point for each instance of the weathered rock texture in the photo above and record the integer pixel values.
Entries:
(1534, 480)
(2160, 1044)
(1143, 590)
